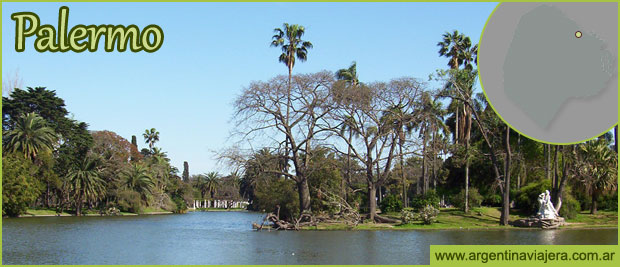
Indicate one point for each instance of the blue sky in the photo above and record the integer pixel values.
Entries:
(212, 50)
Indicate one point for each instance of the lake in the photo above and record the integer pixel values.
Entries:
(227, 238)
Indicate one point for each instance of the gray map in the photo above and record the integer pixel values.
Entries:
(550, 69)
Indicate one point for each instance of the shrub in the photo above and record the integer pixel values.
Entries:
(19, 185)
(421, 201)
(129, 201)
(527, 199)
(181, 206)
(474, 199)
(610, 202)
(570, 206)
(428, 214)
(278, 193)
(493, 200)
(391, 203)
(407, 215)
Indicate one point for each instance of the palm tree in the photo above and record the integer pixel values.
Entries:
(598, 169)
(85, 183)
(151, 137)
(349, 75)
(457, 47)
(30, 136)
(460, 90)
(212, 183)
(160, 154)
(289, 39)
(138, 179)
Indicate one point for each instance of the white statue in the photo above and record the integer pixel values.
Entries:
(545, 207)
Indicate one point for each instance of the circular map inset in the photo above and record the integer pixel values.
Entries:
(549, 70)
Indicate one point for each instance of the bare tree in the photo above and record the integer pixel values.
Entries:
(262, 108)
(12, 81)
(366, 115)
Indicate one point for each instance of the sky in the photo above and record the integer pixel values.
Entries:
(212, 50)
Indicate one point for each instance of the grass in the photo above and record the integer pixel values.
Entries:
(148, 210)
(601, 219)
(44, 212)
(477, 218)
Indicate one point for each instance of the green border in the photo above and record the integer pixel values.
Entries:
(495, 110)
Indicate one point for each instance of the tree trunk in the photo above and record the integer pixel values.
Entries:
(434, 153)
(548, 161)
(593, 209)
(466, 177)
(304, 196)
(402, 173)
(506, 201)
(288, 107)
(372, 201)
(424, 179)
(467, 139)
(555, 183)
(348, 165)
(521, 161)
(78, 205)
(558, 197)
(456, 127)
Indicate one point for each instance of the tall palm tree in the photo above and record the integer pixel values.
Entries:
(151, 137)
(457, 47)
(85, 183)
(138, 179)
(598, 169)
(288, 38)
(30, 136)
(349, 76)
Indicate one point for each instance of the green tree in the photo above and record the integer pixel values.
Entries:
(138, 179)
(185, 171)
(151, 136)
(38, 100)
(85, 183)
(29, 136)
(212, 183)
(349, 75)
(288, 38)
(20, 186)
(458, 48)
(598, 169)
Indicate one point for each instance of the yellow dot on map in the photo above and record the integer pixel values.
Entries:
(578, 34)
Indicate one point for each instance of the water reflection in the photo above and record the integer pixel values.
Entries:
(226, 238)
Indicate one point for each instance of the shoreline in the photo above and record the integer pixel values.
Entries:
(64, 214)
(391, 227)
